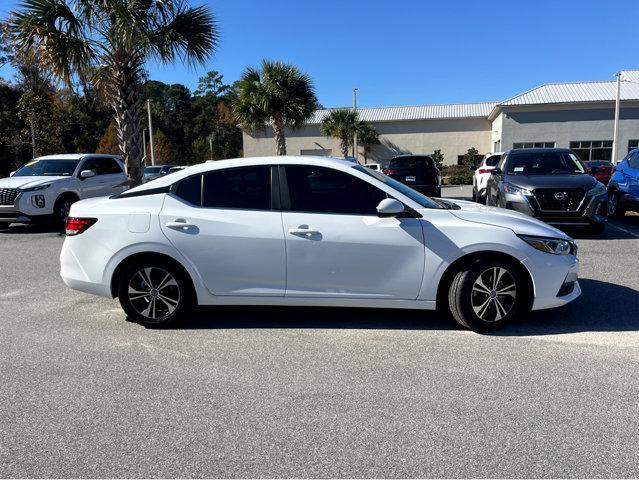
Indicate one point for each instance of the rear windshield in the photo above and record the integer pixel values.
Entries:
(544, 163)
(599, 163)
(411, 162)
(152, 170)
(49, 167)
(493, 160)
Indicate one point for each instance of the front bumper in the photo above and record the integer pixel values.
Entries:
(593, 211)
(19, 217)
(555, 283)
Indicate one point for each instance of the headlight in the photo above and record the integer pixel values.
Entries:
(598, 189)
(515, 190)
(557, 246)
(35, 189)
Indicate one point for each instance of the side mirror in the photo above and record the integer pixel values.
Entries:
(496, 171)
(11, 174)
(86, 174)
(389, 207)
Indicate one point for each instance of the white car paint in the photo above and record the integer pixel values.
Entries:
(279, 257)
(482, 174)
(23, 210)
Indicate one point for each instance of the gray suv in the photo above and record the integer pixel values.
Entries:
(551, 184)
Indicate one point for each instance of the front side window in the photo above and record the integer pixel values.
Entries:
(544, 163)
(47, 168)
(247, 188)
(325, 190)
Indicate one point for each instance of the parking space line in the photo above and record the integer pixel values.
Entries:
(623, 230)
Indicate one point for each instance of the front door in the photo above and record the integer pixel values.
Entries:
(337, 246)
(222, 222)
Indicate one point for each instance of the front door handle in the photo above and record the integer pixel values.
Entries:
(303, 231)
(179, 224)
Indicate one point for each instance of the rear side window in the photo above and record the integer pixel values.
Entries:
(190, 190)
(493, 160)
(324, 190)
(246, 188)
(411, 162)
(102, 166)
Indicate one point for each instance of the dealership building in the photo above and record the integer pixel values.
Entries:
(576, 115)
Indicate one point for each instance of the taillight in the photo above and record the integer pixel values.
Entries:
(390, 171)
(75, 225)
(483, 170)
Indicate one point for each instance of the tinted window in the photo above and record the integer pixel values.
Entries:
(247, 188)
(190, 190)
(102, 166)
(544, 163)
(493, 160)
(411, 162)
(47, 168)
(318, 189)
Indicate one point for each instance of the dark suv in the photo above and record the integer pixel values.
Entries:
(551, 184)
(417, 171)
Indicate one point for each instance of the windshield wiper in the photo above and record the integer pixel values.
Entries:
(446, 204)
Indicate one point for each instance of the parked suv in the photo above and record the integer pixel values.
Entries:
(623, 188)
(417, 171)
(482, 174)
(45, 188)
(551, 184)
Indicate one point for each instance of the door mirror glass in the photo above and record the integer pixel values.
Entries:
(11, 174)
(87, 174)
(389, 207)
(496, 171)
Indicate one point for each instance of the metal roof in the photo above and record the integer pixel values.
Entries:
(579, 92)
(416, 112)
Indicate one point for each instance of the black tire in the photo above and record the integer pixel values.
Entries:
(4, 225)
(474, 195)
(615, 210)
(159, 307)
(487, 311)
(61, 209)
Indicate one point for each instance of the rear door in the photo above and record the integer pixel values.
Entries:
(337, 246)
(108, 173)
(227, 223)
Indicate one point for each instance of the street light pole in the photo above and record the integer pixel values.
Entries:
(144, 145)
(615, 134)
(355, 132)
(148, 107)
(211, 145)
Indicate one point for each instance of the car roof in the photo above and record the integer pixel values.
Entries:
(76, 156)
(318, 161)
(411, 155)
(537, 150)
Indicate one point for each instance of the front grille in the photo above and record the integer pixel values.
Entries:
(8, 195)
(559, 199)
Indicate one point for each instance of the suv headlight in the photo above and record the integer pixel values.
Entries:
(557, 246)
(35, 189)
(598, 189)
(515, 190)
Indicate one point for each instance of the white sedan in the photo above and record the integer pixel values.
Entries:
(311, 232)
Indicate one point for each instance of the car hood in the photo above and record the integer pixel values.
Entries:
(531, 182)
(28, 182)
(517, 222)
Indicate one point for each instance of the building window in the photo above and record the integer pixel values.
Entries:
(632, 144)
(534, 145)
(319, 152)
(497, 146)
(593, 149)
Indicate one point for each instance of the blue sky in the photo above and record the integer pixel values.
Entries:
(407, 52)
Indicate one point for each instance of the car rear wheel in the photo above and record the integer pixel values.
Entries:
(154, 293)
(487, 295)
(614, 207)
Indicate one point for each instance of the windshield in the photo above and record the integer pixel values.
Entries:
(47, 168)
(414, 195)
(544, 163)
(152, 170)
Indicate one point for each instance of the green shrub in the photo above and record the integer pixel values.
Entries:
(457, 175)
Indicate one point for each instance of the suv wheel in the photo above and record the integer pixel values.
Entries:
(154, 293)
(487, 295)
(614, 208)
(62, 209)
(474, 194)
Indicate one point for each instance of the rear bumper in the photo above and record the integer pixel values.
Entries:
(76, 277)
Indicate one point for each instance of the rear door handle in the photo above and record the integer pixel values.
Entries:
(179, 224)
(303, 230)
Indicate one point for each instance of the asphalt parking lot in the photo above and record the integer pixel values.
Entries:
(292, 392)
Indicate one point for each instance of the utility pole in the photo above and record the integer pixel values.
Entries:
(211, 145)
(355, 131)
(144, 145)
(148, 107)
(615, 134)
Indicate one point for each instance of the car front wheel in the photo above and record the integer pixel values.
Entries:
(154, 293)
(487, 295)
(614, 208)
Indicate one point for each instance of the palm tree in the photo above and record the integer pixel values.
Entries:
(278, 94)
(110, 42)
(367, 136)
(341, 124)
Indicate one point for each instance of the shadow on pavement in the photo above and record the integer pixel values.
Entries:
(602, 307)
(19, 228)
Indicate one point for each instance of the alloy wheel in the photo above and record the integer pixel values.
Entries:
(494, 293)
(65, 209)
(612, 204)
(154, 293)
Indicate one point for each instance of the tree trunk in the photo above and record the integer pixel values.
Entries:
(280, 137)
(344, 146)
(127, 105)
